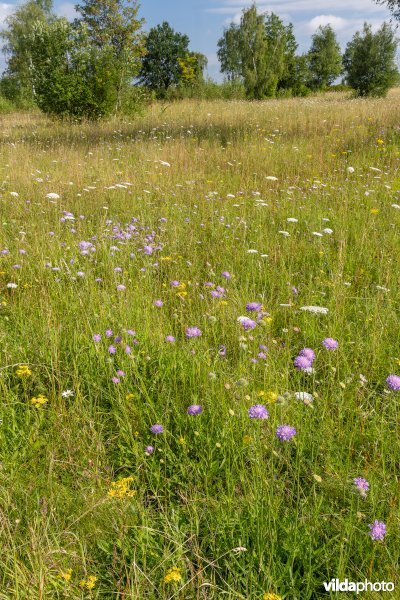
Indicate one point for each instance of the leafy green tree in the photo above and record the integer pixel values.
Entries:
(369, 61)
(260, 51)
(17, 82)
(325, 58)
(114, 30)
(229, 53)
(192, 67)
(160, 65)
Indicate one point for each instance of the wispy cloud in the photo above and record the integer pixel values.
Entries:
(5, 11)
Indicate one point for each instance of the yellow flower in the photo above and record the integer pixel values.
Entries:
(122, 488)
(246, 439)
(223, 303)
(23, 371)
(39, 401)
(66, 575)
(173, 574)
(182, 294)
(380, 142)
(267, 320)
(166, 258)
(182, 441)
(88, 583)
(374, 211)
(271, 596)
(129, 396)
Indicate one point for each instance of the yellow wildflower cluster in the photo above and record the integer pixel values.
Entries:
(271, 596)
(39, 401)
(66, 575)
(121, 488)
(89, 583)
(23, 371)
(269, 397)
(173, 574)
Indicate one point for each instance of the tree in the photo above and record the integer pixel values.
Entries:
(260, 51)
(160, 65)
(393, 6)
(325, 58)
(17, 83)
(369, 61)
(192, 67)
(114, 29)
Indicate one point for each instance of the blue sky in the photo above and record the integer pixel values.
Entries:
(203, 20)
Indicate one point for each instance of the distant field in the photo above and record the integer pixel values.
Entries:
(128, 253)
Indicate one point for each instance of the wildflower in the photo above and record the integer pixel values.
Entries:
(97, 338)
(23, 371)
(302, 363)
(247, 323)
(192, 332)
(66, 575)
(111, 349)
(12, 286)
(308, 353)
(393, 382)
(67, 394)
(194, 409)
(330, 343)
(173, 574)
(149, 450)
(253, 306)
(52, 196)
(258, 411)
(115, 380)
(304, 397)
(315, 309)
(109, 333)
(285, 433)
(156, 429)
(226, 274)
(88, 583)
(121, 288)
(149, 250)
(362, 485)
(378, 530)
(271, 596)
(350, 169)
(158, 303)
(39, 401)
(170, 339)
(122, 488)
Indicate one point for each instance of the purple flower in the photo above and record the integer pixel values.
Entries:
(226, 274)
(158, 303)
(194, 409)
(262, 356)
(253, 306)
(258, 411)
(393, 383)
(302, 363)
(109, 333)
(362, 485)
(285, 433)
(121, 288)
(149, 450)
(295, 291)
(115, 380)
(378, 530)
(131, 332)
(192, 332)
(148, 250)
(308, 353)
(330, 343)
(97, 338)
(120, 373)
(112, 349)
(156, 429)
(170, 339)
(247, 323)
(118, 339)
(175, 283)
(222, 351)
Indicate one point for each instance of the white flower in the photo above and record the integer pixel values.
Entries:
(317, 234)
(292, 220)
(350, 169)
(15, 194)
(12, 286)
(271, 178)
(67, 394)
(285, 233)
(53, 196)
(304, 397)
(395, 206)
(252, 251)
(239, 550)
(327, 231)
(315, 309)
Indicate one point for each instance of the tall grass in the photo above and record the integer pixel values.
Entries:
(209, 187)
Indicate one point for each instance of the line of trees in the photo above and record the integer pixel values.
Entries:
(260, 52)
(103, 63)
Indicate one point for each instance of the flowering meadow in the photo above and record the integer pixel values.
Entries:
(200, 355)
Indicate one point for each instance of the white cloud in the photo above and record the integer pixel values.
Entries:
(5, 11)
(337, 23)
(66, 9)
(364, 7)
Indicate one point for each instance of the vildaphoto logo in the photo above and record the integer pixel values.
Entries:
(335, 585)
